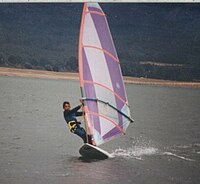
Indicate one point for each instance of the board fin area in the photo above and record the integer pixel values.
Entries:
(89, 151)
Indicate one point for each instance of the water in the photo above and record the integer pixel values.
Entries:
(162, 146)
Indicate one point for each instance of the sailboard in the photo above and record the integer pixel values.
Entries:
(89, 151)
(107, 112)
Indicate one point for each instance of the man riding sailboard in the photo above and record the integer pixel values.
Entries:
(74, 125)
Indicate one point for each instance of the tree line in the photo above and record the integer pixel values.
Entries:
(68, 65)
(134, 69)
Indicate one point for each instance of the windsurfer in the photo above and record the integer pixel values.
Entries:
(74, 126)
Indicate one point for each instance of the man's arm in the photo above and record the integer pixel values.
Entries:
(79, 113)
(74, 110)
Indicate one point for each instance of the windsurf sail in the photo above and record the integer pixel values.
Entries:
(107, 113)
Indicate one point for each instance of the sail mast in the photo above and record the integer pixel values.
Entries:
(80, 64)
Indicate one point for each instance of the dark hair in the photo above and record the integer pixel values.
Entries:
(64, 103)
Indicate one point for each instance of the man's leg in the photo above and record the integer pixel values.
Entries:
(89, 139)
(81, 133)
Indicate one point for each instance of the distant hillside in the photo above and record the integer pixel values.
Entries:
(45, 36)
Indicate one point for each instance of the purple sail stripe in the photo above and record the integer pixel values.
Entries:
(115, 131)
(104, 34)
(118, 85)
(116, 78)
(89, 90)
(107, 44)
(94, 9)
(112, 132)
(92, 107)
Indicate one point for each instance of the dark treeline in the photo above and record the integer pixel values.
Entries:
(158, 40)
(136, 69)
(69, 65)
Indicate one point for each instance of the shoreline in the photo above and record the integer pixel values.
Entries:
(15, 72)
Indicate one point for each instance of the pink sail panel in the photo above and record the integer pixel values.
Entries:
(107, 113)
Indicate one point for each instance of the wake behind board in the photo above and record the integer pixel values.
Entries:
(89, 151)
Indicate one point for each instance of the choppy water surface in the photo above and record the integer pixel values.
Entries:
(162, 146)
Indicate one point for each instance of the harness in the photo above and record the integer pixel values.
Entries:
(72, 125)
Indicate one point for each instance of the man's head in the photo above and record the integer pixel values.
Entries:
(66, 106)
